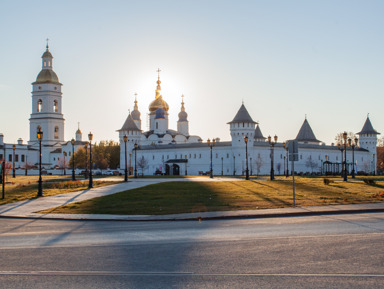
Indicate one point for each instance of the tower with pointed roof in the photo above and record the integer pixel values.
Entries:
(79, 134)
(258, 135)
(182, 123)
(306, 134)
(46, 105)
(368, 139)
(242, 125)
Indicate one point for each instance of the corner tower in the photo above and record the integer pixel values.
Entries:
(46, 105)
(242, 125)
(368, 139)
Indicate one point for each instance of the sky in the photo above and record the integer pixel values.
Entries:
(285, 60)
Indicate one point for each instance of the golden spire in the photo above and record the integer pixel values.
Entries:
(136, 107)
(158, 89)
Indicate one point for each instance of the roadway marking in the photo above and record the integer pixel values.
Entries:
(175, 274)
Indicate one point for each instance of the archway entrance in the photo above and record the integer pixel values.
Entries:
(175, 170)
(167, 169)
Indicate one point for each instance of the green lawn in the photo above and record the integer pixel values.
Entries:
(188, 197)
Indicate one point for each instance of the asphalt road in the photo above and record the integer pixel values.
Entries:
(339, 251)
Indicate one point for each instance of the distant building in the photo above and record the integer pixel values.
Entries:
(46, 116)
(176, 152)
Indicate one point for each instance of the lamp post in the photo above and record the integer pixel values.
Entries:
(13, 162)
(234, 165)
(65, 154)
(345, 157)
(272, 144)
(90, 184)
(186, 161)
(222, 166)
(246, 158)
(86, 161)
(40, 183)
(342, 156)
(135, 160)
(130, 163)
(286, 172)
(73, 160)
(351, 144)
(125, 159)
(211, 144)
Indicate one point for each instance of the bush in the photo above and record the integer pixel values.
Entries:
(326, 181)
(369, 181)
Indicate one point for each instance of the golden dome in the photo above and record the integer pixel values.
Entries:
(47, 76)
(158, 103)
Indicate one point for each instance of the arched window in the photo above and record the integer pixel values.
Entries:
(39, 105)
(56, 135)
(55, 108)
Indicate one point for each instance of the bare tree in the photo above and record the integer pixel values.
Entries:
(310, 163)
(259, 163)
(340, 140)
(142, 163)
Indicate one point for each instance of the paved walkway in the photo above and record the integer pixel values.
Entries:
(28, 209)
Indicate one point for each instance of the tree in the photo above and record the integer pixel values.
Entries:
(380, 158)
(142, 163)
(259, 164)
(310, 163)
(340, 140)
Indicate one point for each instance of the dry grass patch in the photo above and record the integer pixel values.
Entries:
(186, 197)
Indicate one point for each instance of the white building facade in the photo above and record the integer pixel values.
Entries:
(175, 152)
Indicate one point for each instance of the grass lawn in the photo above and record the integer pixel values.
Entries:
(187, 197)
(25, 187)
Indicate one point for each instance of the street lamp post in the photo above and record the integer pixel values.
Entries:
(86, 161)
(211, 144)
(373, 165)
(186, 161)
(351, 144)
(65, 154)
(246, 158)
(90, 185)
(345, 157)
(234, 165)
(73, 160)
(272, 144)
(135, 160)
(125, 159)
(40, 183)
(130, 163)
(342, 156)
(13, 162)
(222, 166)
(286, 172)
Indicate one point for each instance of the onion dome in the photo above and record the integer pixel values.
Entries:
(182, 114)
(136, 113)
(160, 113)
(47, 75)
(158, 102)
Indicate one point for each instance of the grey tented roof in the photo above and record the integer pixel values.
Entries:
(258, 134)
(242, 116)
(368, 128)
(306, 134)
(129, 125)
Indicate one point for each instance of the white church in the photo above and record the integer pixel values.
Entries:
(161, 150)
(46, 116)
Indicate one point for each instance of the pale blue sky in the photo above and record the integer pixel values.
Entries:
(284, 59)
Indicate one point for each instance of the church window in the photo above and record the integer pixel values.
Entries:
(54, 159)
(194, 156)
(39, 87)
(45, 63)
(39, 105)
(16, 158)
(55, 88)
(153, 157)
(56, 132)
(49, 63)
(55, 107)
(10, 158)
(22, 158)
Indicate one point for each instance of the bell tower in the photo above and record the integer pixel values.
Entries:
(46, 105)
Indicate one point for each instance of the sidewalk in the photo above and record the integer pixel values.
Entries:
(28, 209)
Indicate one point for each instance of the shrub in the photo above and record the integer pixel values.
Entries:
(327, 181)
(369, 181)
